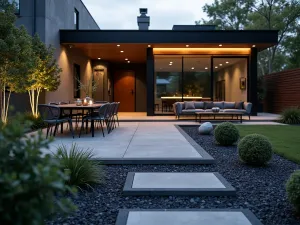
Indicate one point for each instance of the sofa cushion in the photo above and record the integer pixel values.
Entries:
(219, 104)
(239, 105)
(189, 105)
(235, 110)
(199, 105)
(229, 105)
(191, 111)
(208, 105)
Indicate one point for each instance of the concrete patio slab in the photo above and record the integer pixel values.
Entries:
(187, 217)
(191, 184)
(139, 143)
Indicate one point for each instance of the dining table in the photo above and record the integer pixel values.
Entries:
(90, 108)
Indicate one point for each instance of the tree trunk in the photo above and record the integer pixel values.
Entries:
(4, 104)
(34, 95)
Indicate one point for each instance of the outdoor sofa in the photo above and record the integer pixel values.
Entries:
(191, 107)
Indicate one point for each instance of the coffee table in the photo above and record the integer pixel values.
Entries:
(238, 115)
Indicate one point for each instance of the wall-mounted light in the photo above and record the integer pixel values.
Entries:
(149, 46)
(206, 68)
(121, 51)
(187, 46)
(216, 67)
(126, 59)
(118, 45)
(99, 58)
(227, 62)
(253, 46)
(192, 68)
(220, 45)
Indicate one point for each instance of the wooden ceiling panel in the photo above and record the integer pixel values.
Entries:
(136, 53)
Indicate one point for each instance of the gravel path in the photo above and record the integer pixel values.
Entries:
(262, 190)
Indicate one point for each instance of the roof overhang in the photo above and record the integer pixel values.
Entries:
(262, 39)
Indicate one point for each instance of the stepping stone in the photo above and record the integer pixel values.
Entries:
(187, 217)
(188, 184)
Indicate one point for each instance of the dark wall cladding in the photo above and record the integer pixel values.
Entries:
(282, 90)
(194, 27)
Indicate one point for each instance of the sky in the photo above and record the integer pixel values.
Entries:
(122, 14)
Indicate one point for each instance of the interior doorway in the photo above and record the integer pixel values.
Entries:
(220, 90)
(124, 90)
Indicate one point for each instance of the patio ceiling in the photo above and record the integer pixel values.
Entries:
(136, 53)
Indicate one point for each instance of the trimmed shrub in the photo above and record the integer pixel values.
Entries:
(293, 190)
(255, 149)
(30, 182)
(226, 134)
(290, 116)
(78, 162)
(36, 122)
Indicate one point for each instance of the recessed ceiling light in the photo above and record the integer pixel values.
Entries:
(253, 46)
(192, 68)
(118, 45)
(187, 46)
(126, 59)
(206, 68)
(216, 67)
(99, 58)
(220, 45)
(221, 64)
(149, 46)
(171, 62)
(121, 51)
(227, 62)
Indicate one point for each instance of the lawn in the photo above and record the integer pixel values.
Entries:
(285, 139)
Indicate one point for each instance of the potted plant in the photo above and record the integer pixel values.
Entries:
(89, 88)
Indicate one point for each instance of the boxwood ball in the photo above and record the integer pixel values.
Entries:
(255, 149)
(226, 134)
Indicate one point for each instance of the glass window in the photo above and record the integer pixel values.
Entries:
(76, 19)
(167, 83)
(196, 78)
(17, 4)
(230, 79)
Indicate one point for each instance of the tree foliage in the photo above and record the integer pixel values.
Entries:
(44, 75)
(282, 15)
(15, 56)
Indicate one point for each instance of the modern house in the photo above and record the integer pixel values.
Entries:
(147, 70)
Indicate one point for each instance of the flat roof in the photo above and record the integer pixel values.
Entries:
(242, 38)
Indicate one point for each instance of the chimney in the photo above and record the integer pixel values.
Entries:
(143, 20)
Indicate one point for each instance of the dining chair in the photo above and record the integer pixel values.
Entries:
(108, 117)
(51, 114)
(94, 117)
(116, 112)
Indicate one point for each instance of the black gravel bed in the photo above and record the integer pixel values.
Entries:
(260, 189)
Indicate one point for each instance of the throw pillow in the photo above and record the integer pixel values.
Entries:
(239, 105)
(208, 105)
(199, 105)
(189, 105)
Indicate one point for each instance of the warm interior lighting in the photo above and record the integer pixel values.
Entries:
(253, 46)
(187, 46)
(121, 51)
(215, 51)
(118, 45)
(149, 46)
(206, 68)
(221, 64)
(227, 62)
(220, 45)
(171, 62)
(192, 68)
(216, 67)
(99, 58)
(126, 59)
